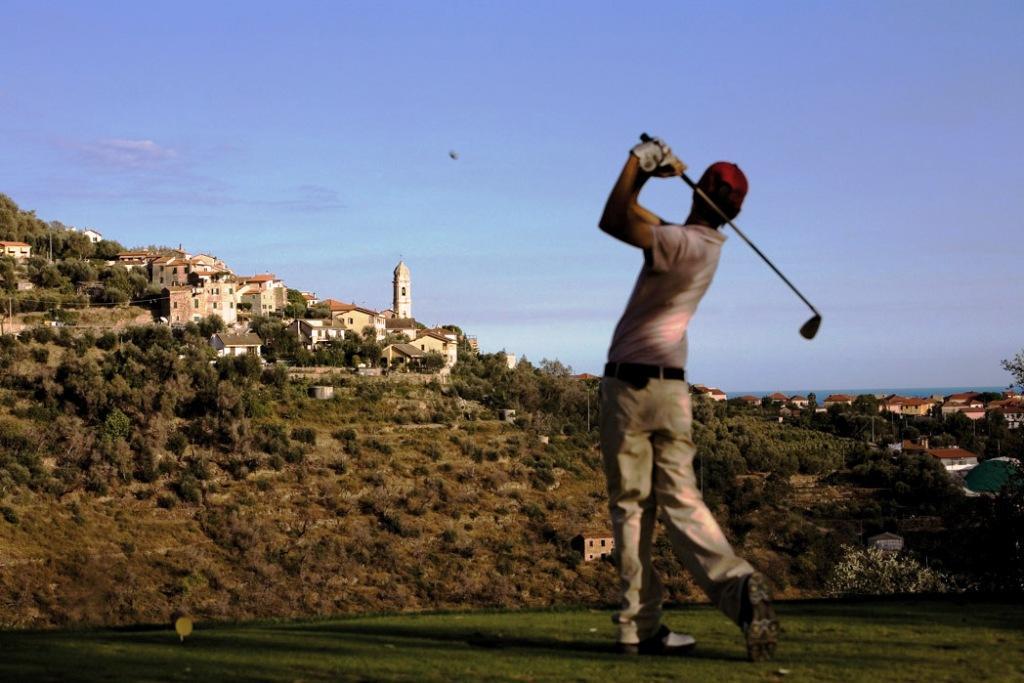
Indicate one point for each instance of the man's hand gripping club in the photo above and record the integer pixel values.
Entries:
(623, 217)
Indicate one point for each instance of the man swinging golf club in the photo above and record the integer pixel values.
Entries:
(646, 422)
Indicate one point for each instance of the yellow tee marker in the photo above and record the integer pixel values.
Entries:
(183, 625)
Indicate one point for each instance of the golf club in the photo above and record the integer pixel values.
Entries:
(809, 328)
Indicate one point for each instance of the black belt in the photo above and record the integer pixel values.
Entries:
(638, 373)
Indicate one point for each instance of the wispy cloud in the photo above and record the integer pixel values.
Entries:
(124, 153)
(148, 172)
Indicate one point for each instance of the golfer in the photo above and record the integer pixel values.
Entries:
(646, 422)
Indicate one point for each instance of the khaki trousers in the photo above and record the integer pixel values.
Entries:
(648, 450)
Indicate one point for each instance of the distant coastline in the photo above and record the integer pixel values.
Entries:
(921, 392)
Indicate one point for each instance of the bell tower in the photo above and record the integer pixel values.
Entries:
(402, 302)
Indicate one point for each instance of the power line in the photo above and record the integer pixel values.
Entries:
(94, 304)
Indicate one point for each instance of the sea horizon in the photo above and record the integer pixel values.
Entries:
(920, 392)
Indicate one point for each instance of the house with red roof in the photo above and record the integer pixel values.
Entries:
(19, 251)
(954, 459)
(838, 400)
(356, 318)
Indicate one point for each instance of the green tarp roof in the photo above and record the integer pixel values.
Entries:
(991, 475)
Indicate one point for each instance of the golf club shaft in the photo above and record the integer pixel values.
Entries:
(703, 195)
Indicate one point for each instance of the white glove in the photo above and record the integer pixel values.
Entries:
(654, 154)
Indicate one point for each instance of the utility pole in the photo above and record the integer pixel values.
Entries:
(588, 409)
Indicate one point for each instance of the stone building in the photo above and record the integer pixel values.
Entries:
(594, 545)
(200, 296)
(265, 293)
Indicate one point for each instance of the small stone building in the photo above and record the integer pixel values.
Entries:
(594, 545)
(886, 541)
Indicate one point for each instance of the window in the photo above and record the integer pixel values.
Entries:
(174, 305)
(195, 303)
(403, 291)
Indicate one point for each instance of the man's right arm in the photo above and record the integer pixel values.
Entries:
(624, 218)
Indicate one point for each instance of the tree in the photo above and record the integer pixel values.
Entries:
(1015, 367)
(8, 274)
(433, 362)
(296, 307)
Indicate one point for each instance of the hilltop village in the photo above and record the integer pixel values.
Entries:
(181, 288)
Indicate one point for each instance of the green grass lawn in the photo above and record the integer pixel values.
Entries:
(823, 641)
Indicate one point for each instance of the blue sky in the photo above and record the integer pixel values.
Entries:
(881, 139)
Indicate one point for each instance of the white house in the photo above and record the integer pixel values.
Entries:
(227, 344)
(310, 333)
(93, 235)
(954, 459)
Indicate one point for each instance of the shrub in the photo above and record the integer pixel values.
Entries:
(870, 571)
(177, 443)
(9, 515)
(188, 489)
(379, 446)
(305, 435)
(166, 501)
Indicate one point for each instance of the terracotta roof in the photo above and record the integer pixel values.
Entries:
(949, 453)
(750, 399)
(15, 244)
(777, 396)
(266, 277)
(400, 323)
(585, 375)
(797, 398)
(335, 305)
(835, 398)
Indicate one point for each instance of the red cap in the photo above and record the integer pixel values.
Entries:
(725, 183)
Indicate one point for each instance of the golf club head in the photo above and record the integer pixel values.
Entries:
(810, 328)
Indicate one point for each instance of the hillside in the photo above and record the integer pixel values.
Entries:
(140, 476)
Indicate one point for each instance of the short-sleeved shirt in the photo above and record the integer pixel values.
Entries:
(677, 270)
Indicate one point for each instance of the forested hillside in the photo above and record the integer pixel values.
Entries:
(140, 475)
